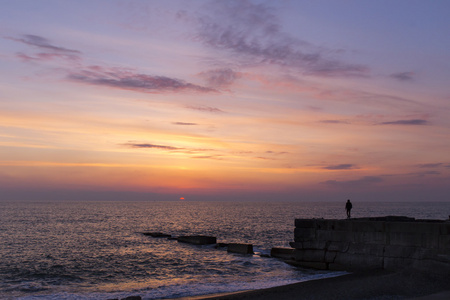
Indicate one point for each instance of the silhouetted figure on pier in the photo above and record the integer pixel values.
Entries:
(348, 208)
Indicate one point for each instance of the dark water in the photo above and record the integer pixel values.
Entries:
(95, 250)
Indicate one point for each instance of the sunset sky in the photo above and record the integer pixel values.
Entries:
(273, 100)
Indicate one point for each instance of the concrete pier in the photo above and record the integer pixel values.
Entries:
(390, 243)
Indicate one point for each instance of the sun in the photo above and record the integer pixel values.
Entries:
(181, 198)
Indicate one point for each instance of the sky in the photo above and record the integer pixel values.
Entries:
(225, 100)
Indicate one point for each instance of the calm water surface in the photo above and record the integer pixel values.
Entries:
(95, 250)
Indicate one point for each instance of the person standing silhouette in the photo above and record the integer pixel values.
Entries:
(348, 208)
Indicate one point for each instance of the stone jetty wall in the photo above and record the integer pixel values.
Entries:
(390, 243)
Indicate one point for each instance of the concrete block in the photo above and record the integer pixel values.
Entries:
(414, 227)
(316, 245)
(309, 255)
(323, 224)
(334, 236)
(305, 223)
(410, 252)
(399, 251)
(444, 228)
(366, 249)
(371, 237)
(444, 243)
(442, 258)
(359, 261)
(304, 234)
(296, 245)
(330, 256)
(341, 225)
(430, 241)
(369, 226)
(197, 239)
(285, 253)
(240, 248)
(405, 239)
(338, 246)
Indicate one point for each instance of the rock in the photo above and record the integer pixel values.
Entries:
(197, 239)
(157, 234)
(132, 298)
(240, 248)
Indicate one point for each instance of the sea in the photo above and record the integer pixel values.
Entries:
(96, 250)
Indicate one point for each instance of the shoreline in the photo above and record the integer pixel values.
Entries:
(372, 284)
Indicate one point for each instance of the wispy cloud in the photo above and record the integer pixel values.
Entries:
(341, 167)
(403, 76)
(425, 173)
(253, 33)
(184, 123)
(364, 181)
(220, 78)
(42, 43)
(129, 80)
(152, 146)
(431, 165)
(169, 148)
(406, 122)
(276, 153)
(47, 57)
(333, 122)
(205, 108)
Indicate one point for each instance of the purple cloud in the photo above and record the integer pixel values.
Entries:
(47, 57)
(42, 43)
(406, 122)
(127, 80)
(252, 33)
(205, 109)
(432, 165)
(276, 153)
(333, 122)
(168, 148)
(340, 167)
(403, 76)
(219, 78)
(366, 180)
(184, 123)
(425, 173)
(152, 146)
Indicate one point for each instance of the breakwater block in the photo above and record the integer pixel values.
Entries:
(157, 234)
(240, 248)
(284, 253)
(197, 239)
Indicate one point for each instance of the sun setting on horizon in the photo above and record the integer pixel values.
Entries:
(273, 100)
